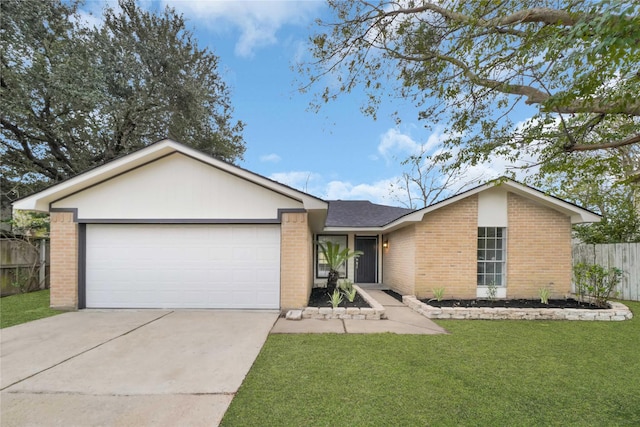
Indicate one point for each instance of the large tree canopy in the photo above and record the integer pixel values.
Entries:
(73, 96)
(468, 64)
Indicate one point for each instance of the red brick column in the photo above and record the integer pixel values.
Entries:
(64, 261)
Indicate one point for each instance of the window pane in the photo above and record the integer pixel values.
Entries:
(491, 256)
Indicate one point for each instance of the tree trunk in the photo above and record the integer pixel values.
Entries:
(332, 281)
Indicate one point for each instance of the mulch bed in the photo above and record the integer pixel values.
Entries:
(512, 303)
(320, 298)
(393, 294)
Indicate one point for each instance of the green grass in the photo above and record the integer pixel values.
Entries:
(486, 373)
(22, 308)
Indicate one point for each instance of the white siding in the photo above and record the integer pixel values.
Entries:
(492, 208)
(175, 187)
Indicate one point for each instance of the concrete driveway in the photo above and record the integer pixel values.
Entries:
(128, 367)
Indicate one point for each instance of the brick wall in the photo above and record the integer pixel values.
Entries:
(398, 261)
(446, 250)
(64, 261)
(296, 261)
(538, 250)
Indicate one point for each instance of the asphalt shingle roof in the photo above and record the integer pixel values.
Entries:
(361, 213)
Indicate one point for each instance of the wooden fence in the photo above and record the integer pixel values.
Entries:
(25, 263)
(625, 256)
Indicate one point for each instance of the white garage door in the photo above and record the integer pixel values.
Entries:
(182, 266)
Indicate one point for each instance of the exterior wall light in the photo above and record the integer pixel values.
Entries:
(385, 244)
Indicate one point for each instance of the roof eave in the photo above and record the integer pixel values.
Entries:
(41, 201)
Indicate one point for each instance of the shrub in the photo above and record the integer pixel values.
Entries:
(596, 282)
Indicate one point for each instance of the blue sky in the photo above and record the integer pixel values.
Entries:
(336, 153)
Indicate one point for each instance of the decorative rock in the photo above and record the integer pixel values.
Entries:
(325, 311)
(616, 312)
(294, 315)
(376, 312)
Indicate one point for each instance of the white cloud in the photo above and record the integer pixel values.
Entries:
(378, 192)
(314, 183)
(302, 180)
(394, 143)
(257, 21)
(271, 158)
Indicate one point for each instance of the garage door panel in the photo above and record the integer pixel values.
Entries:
(190, 266)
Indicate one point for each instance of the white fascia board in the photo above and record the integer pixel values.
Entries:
(41, 200)
(346, 230)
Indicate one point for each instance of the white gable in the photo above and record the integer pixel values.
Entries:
(177, 187)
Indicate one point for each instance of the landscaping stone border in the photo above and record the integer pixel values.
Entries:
(617, 312)
(376, 312)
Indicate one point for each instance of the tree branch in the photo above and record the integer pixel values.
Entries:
(604, 146)
(541, 15)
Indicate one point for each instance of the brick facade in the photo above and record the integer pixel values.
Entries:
(398, 260)
(438, 252)
(538, 250)
(296, 261)
(446, 250)
(64, 261)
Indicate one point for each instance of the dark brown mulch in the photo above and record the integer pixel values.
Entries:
(393, 294)
(512, 303)
(320, 298)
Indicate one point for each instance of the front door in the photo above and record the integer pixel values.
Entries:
(366, 264)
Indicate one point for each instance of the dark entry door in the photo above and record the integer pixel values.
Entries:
(366, 264)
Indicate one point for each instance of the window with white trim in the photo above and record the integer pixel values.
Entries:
(322, 269)
(491, 256)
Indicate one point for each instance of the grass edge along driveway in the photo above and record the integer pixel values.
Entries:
(515, 373)
(22, 308)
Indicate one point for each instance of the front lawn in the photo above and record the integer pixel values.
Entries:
(21, 308)
(486, 373)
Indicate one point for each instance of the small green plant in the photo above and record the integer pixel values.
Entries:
(347, 289)
(335, 298)
(346, 285)
(596, 282)
(438, 294)
(334, 257)
(350, 294)
(492, 291)
(543, 293)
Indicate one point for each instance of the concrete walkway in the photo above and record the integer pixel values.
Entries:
(400, 320)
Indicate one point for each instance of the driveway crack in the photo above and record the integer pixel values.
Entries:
(87, 350)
